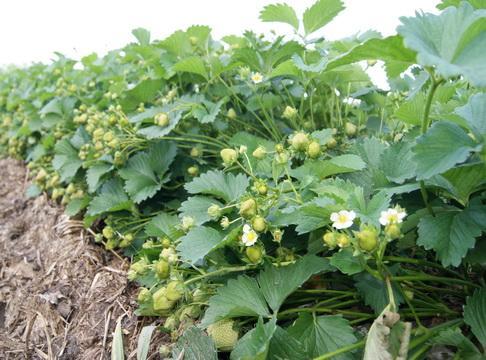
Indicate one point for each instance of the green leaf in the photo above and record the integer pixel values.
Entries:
(314, 68)
(323, 334)
(207, 114)
(33, 191)
(453, 41)
(197, 208)
(369, 210)
(454, 337)
(284, 346)
(144, 92)
(117, 351)
(164, 225)
(112, 197)
(346, 262)
(76, 205)
(321, 13)
(217, 183)
(280, 13)
(397, 162)
(192, 64)
(199, 242)
(475, 314)
(255, 343)
(474, 112)
(143, 343)
(462, 181)
(444, 145)
(450, 233)
(389, 50)
(239, 297)
(142, 35)
(374, 292)
(321, 169)
(277, 283)
(94, 174)
(145, 172)
(66, 160)
(194, 344)
(411, 111)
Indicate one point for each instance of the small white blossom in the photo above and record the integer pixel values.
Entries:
(257, 78)
(250, 236)
(352, 101)
(243, 149)
(392, 216)
(343, 219)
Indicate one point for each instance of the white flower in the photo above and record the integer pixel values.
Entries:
(257, 78)
(392, 216)
(250, 236)
(352, 101)
(343, 219)
(243, 149)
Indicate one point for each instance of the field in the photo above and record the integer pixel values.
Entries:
(250, 197)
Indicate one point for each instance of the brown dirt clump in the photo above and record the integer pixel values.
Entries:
(60, 294)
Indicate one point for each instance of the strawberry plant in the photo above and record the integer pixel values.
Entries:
(274, 203)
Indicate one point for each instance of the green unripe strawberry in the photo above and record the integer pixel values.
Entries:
(331, 143)
(160, 300)
(175, 290)
(367, 239)
(300, 141)
(111, 244)
(144, 295)
(259, 224)
(342, 240)
(166, 242)
(98, 133)
(262, 189)
(330, 239)
(254, 254)
(229, 156)
(231, 114)
(196, 152)
(162, 269)
(393, 231)
(289, 112)
(259, 153)
(314, 149)
(214, 211)
(223, 334)
(171, 323)
(108, 232)
(108, 136)
(162, 119)
(248, 208)
(193, 40)
(279, 148)
(193, 170)
(41, 175)
(350, 129)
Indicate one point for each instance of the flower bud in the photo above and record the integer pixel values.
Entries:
(108, 232)
(262, 189)
(331, 143)
(248, 208)
(193, 170)
(229, 156)
(166, 242)
(187, 223)
(225, 223)
(196, 152)
(277, 235)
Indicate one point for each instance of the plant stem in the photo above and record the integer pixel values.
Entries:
(433, 278)
(342, 350)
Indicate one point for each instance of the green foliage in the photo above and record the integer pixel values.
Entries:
(474, 314)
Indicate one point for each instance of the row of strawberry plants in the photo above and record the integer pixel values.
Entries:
(267, 193)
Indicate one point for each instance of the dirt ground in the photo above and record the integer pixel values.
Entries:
(60, 294)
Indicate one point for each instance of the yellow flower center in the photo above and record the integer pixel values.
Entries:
(342, 218)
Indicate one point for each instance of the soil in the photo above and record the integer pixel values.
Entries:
(61, 295)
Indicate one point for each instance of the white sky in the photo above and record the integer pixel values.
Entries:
(31, 30)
